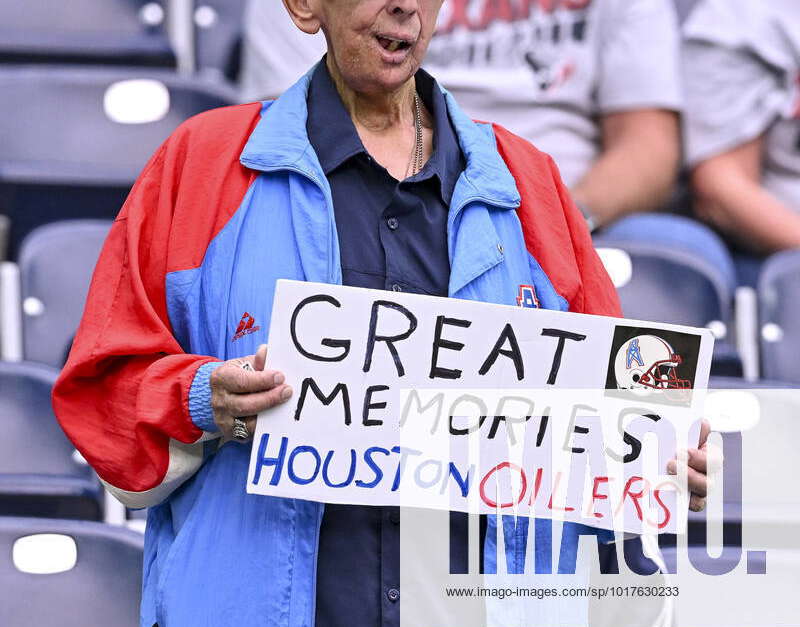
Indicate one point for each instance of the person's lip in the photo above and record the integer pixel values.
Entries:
(398, 47)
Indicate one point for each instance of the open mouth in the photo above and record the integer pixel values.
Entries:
(390, 44)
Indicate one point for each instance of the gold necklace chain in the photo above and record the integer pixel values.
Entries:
(415, 162)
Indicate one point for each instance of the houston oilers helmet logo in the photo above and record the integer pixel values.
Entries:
(645, 364)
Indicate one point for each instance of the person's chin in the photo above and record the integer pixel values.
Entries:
(389, 77)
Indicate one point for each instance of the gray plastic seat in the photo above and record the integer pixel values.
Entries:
(218, 36)
(74, 139)
(675, 286)
(779, 313)
(103, 586)
(107, 32)
(40, 475)
(54, 286)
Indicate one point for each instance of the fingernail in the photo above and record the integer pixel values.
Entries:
(279, 378)
(287, 392)
(672, 467)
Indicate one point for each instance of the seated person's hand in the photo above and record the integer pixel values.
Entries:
(238, 391)
(701, 462)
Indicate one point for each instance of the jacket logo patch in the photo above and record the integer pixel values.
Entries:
(247, 325)
(527, 297)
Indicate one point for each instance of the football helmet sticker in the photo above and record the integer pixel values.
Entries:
(646, 363)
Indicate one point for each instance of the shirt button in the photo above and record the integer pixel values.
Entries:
(393, 223)
(500, 248)
(393, 594)
(396, 288)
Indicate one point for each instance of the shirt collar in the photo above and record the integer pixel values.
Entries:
(280, 141)
(330, 129)
(447, 161)
(335, 140)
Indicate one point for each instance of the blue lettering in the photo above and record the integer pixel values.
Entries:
(263, 460)
(373, 466)
(350, 474)
(463, 482)
(290, 466)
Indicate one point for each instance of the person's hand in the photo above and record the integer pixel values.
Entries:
(237, 392)
(701, 463)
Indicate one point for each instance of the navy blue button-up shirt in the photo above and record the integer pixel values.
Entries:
(393, 236)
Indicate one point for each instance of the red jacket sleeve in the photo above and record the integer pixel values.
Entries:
(123, 396)
(555, 230)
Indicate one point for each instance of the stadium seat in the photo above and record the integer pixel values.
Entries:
(54, 287)
(59, 573)
(218, 36)
(40, 473)
(107, 32)
(662, 284)
(74, 139)
(779, 304)
(668, 285)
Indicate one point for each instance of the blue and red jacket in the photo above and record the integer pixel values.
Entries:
(234, 200)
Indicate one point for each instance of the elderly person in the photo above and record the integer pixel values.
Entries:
(363, 173)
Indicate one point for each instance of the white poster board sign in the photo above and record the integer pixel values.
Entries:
(402, 399)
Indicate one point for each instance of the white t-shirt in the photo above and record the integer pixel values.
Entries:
(742, 74)
(548, 74)
(275, 53)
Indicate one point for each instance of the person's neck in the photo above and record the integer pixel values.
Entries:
(376, 112)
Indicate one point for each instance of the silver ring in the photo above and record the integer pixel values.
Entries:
(240, 431)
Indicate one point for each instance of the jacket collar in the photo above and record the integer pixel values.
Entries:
(280, 141)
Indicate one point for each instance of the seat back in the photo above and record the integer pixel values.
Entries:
(120, 32)
(75, 139)
(58, 573)
(218, 36)
(779, 304)
(673, 286)
(32, 441)
(40, 473)
(56, 264)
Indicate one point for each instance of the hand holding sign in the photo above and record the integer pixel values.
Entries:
(453, 404)
(703, 463)
(240, 393)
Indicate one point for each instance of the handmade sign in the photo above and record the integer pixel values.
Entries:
(403, 399)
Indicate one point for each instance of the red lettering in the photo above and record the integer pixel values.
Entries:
(493, 11)
(577, 5)
(634, 496)
(500, 466)
(548, 6)
(596, 495)
(667, 514)
(537, 483)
